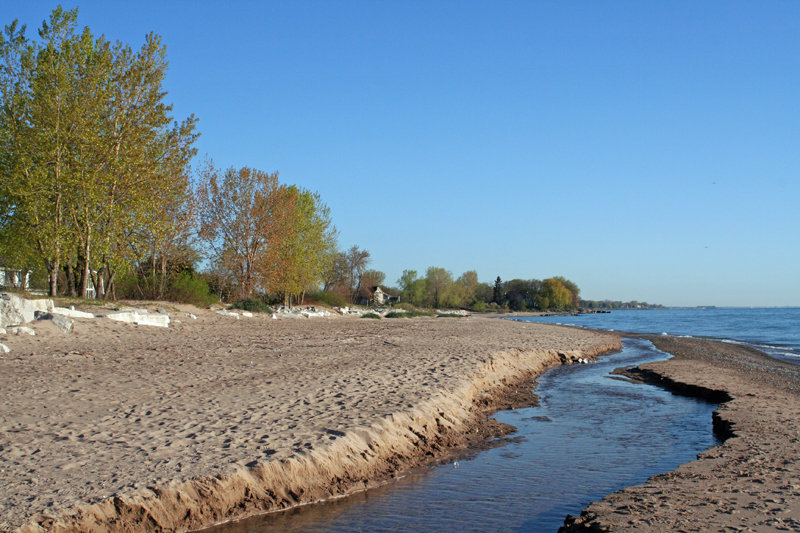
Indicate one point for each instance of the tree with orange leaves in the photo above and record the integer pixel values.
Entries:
(246, 217)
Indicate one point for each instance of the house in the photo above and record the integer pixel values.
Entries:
(378, 296)
(381, 297)
(13, 278)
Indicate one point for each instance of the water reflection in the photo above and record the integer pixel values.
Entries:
(591, 435)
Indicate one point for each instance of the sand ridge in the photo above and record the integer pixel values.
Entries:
(146, 423)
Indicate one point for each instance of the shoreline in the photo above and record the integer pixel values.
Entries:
(398, 394)
(749, 481)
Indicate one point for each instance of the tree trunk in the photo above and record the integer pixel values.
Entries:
(87, 273)
(54, 267)
(70, 273)
(110, 287)
(163, 286)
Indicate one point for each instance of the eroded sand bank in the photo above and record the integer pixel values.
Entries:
(131, 428)
(749, 483)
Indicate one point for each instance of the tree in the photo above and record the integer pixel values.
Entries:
(438, 281)
(245, 219)
(412, 288)
(554, 295)
(87, 146)
(497, 295)
(369, 280)
(356, 261)
(572, 288)
(309, 247)
(335, 274)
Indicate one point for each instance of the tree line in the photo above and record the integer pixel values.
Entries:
(97, 190)
(98, 195)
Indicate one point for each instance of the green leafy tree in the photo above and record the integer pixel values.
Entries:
(554, 295)
(86, 139)
(438, 281)
(308, 250)
(497, 294)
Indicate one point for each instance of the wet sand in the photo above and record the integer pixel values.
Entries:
(749, 483)
(134, 428)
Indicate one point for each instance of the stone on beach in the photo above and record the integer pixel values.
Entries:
(73, 313)
(62, 322)
(141, 319)
(15, 310)
(21, 330)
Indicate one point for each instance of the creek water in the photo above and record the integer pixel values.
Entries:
(592, 434)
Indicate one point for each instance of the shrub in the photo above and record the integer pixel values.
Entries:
(253, 305)
(404, 305)
(191, 289)
(328, 298)
(409, 314)
(479, 307)
(449, 315)
(370, 315)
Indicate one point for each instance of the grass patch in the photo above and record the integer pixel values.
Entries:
(371, 315)
(407, 314)
(328, 298)
(252, 305)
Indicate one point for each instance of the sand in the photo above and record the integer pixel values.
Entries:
(749, 483)
(133, 428)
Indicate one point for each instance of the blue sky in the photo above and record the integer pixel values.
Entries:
(645, 150)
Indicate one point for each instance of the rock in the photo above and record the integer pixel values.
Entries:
(15, 310)
(225, 312)
(3, 331)
(190, 315)
(162, 311)
(4, 348)
(248, 314)
(62, 322)
(72, 313)
(21, 330)
(142, 319)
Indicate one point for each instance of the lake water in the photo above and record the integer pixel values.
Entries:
(592, 434)
(775, 331)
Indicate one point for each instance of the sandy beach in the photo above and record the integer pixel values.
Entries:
(134, 428)
(749, 483)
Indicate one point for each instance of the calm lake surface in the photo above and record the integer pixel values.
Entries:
(775, 331)
(591, 435)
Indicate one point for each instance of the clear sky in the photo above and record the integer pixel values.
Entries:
(645, 150)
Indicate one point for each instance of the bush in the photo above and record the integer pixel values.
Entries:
(449, 315)
(479, 307)
(404, 305)
(253, 305)
(409, 314)
(370, 315)
(190, 289)
(328, 298)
